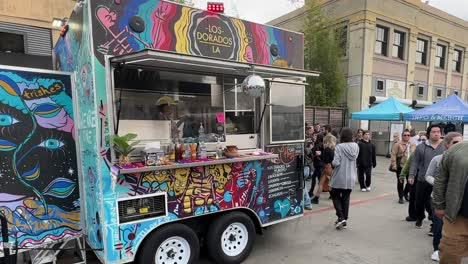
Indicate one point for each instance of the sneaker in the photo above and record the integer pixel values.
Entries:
(340, 224)
(345, 225)
(368, 189)
(419, 224)
(431, 231)
(363, 190)
(435, 256)
(410, 219)
(401, 201)
(315, 200)
(308, 208)
(406, 196)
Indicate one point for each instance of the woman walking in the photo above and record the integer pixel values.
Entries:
(400, 153)
(329, 143)
(344, 176)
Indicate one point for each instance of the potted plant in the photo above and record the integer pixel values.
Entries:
(123, 146)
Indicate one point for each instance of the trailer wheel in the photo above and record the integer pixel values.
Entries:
(230, 238)
(171, 244)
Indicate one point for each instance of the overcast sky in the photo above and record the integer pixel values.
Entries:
(262, 11)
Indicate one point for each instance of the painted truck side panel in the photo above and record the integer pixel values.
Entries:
(270, 189)
(99, 28)
(39, 190)
(73, 53)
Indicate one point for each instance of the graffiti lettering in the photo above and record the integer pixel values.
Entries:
(42, 92)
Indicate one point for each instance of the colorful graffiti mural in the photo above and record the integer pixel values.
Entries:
(125, 26)
(134, 25)
(39, 192)
(72, 54)
(200, 190)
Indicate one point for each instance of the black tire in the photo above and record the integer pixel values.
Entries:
(147, 254)
(215, 236)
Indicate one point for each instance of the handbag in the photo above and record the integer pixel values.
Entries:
(398, 161)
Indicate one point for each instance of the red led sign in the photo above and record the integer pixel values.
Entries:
(215, 7)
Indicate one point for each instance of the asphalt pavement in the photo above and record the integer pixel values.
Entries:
(377, 232)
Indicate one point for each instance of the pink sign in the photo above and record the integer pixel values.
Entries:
(220, 117)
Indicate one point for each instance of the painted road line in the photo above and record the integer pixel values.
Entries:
(353, 203)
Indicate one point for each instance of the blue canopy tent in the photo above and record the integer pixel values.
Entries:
(451, 109)
(388, 110)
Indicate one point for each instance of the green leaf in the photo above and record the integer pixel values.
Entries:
(129, 136)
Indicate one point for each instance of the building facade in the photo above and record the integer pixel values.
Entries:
(26, 33)
(401, 48)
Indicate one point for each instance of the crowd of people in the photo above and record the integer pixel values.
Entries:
(436, 176)
(431, 173)
(334, 167)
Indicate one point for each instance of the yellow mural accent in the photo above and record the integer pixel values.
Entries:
(243, 38)
(181, 29)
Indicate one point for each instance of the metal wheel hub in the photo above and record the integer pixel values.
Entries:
(234, 239)
(174, 250)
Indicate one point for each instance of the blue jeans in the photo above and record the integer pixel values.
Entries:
(438, 223)
(307, 203)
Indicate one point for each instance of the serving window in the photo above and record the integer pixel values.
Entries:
(153, 103)
(286, 112)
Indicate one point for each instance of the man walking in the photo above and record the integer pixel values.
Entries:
(451, 204)
(423, 155)
(365, 161)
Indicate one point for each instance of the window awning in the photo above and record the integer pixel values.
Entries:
(168, 60)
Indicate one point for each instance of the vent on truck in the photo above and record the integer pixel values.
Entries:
(141, 208)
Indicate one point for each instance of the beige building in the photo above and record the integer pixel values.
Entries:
(402, 48)
(26, 33)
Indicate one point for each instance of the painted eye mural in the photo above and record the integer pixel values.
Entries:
(51, 144)
(7, 120)
(39, 192)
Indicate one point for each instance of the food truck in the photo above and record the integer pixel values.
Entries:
(179, 129)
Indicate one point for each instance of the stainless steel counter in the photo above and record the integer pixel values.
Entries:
(243, 158)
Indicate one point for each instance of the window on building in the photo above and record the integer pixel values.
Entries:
(439, 93)
(342, 35)
(456, 93)
(440, 56)
(380, 86)
(11, 43)
(457, 59)
(381, 40)
(420, 90)
(398, 45)
(421, 51)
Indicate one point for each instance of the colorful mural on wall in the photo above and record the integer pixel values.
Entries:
(39, 189)
(134, 25)
(72, 53)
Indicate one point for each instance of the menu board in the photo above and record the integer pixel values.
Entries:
(283, 181)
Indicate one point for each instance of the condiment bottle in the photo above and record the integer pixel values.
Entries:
(171, 152)
(193, 152)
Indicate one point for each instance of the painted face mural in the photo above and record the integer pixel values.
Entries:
(39, 193)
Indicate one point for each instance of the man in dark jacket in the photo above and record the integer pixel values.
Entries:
(423, 155)
(366, 161)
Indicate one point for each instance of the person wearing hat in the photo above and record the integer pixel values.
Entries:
(166, 108)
